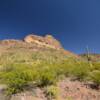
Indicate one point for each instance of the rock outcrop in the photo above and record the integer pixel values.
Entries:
(33, 43)
(48, 41)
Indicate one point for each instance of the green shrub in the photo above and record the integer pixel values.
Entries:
(18, 80)
(52, 92)
(95, 77)
(77, 70)
(47, 78)
(96, 66)
(80, 72)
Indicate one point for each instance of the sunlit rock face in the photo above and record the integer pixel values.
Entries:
(48, 41)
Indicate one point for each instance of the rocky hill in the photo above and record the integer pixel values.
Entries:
(46, 41)
(34, 43)
(39, 68)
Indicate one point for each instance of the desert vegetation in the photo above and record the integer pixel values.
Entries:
(42, 69)
(24, 66)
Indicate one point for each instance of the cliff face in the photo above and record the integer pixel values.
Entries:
(48, 41)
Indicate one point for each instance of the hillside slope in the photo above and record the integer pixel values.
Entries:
(40, 69)
(92, 57)
(31, 48)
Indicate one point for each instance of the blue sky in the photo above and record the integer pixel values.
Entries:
(76, 23)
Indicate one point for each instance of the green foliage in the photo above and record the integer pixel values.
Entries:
(47, 78)
(19, 69)
(52, 92)
(96, 66)
(44, 73)
(95, 77)
(80, 71)
(18, 78)
(15, 81)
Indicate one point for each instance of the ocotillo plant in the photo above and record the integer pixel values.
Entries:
(88, 53)
(88, 56)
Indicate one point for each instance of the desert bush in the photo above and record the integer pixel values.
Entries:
(80, 71)
(52, 92)
(15, 82)
(77, 70)
(96, 66)
(18, 78)
(95, 77)
(46, 78)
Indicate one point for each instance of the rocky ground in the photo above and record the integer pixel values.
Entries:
(68, 90)
(76, 90)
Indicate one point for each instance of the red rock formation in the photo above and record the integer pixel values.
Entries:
(47, 40)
